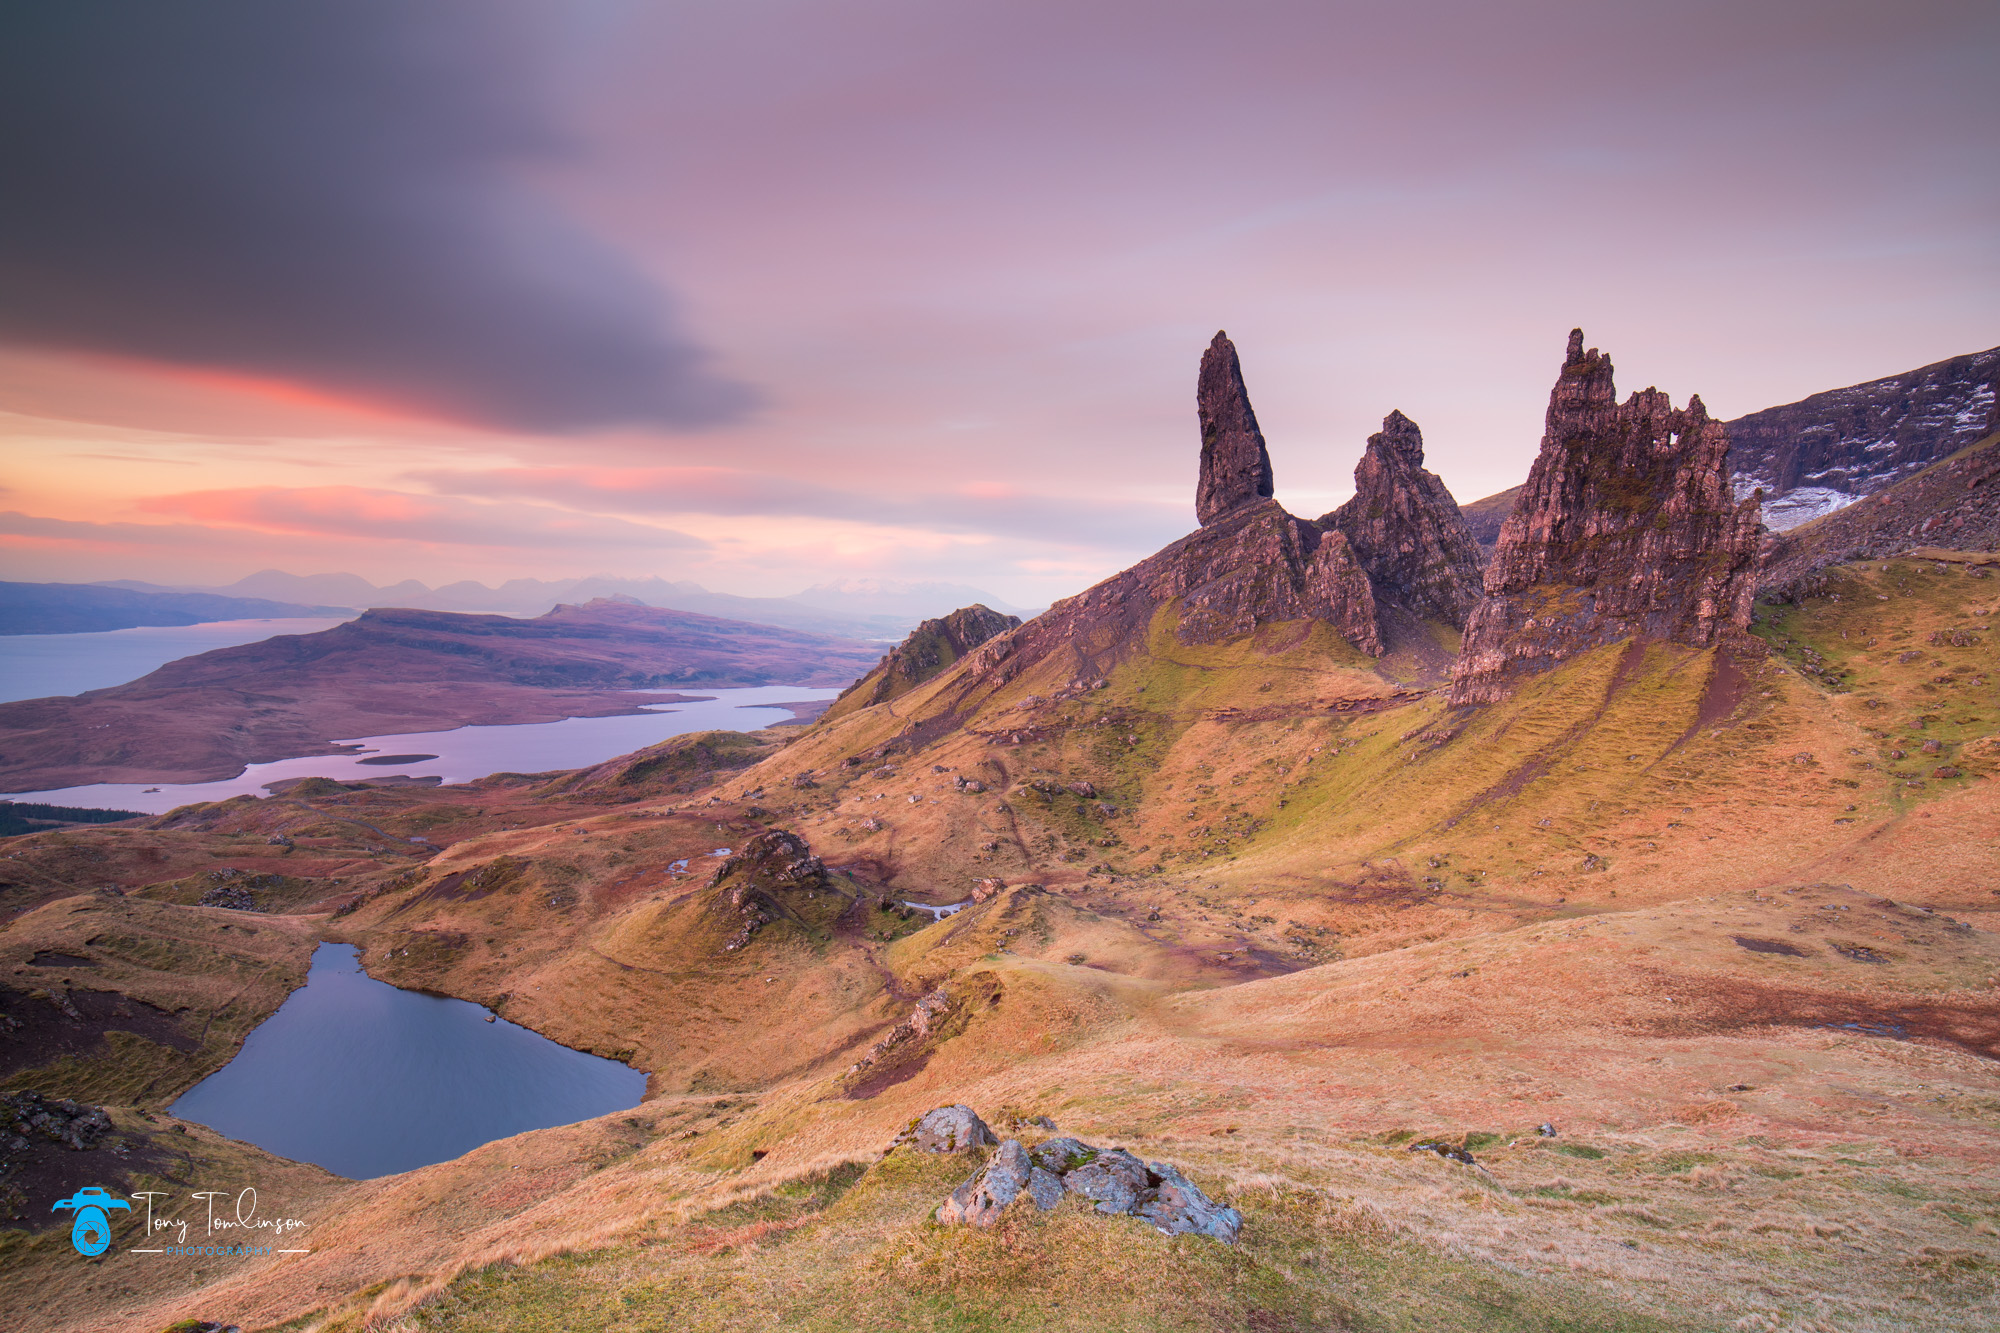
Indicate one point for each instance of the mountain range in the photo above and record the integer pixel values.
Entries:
(852, 608)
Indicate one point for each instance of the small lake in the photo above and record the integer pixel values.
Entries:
(366, 1080)
(465, 753)
(35, 666)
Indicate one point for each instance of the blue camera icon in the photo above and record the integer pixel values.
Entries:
(91, 1232)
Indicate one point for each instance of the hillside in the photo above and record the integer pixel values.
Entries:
(1828, 450)
(204, 717)
(83, 608)
(1648, 987)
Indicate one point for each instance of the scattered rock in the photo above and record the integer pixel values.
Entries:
(1113, 1180)
(1546, 1131)
(1179, 1208)
(984, 890)
(228, 895)
(30, 1115)
(1450, 1151)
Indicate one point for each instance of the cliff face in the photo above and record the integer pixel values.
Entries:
(1406, 530)
(1235, 466)
(930, 648)
(1824, 452)
(1624, 527)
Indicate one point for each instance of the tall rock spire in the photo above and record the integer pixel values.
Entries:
(1406, 530)
(1625, 528)
(1235, 468)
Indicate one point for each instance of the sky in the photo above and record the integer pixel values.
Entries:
(779, 292)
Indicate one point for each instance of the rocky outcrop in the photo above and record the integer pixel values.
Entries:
(1114, 1181)
(1822, 453)
(26, 1116)
(763, 883)
(1405, 530)
(1625, 527)
(1235, 466)
(930, 648)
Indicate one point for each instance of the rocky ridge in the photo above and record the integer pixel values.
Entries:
(930, 648)
(1405, 529)
(1625, 527)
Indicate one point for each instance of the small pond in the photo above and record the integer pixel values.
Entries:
(367, 1080)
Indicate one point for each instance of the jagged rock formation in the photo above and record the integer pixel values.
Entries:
(1953, 505)
(1405, 529)
(1824, 452)
(1235, 466)
(1624, 528)
(930, 648)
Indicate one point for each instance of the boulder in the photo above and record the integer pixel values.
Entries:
(1008, 1175)
(1179, 1208)
(1062, 1155)
(952, 1129)
(1115, 1181)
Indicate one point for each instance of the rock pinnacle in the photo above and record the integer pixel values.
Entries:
(1235, 467)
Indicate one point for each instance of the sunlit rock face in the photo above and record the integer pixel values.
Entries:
(1405, 529)
(1626, 527)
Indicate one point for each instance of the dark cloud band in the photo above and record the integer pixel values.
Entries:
(323, 192)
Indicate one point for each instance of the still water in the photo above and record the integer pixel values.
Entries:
(466, 753)
(34, 666)
(367, 1080)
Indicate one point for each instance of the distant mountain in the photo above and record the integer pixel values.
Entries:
(861, 609)
(204, 717)
(89, 608)
(1827, 451)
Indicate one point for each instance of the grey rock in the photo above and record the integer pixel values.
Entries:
(952, 1129)
(1179, 1208)
(1062, 1155)
(1045, 1188)
(980, 1200)
(1115, 1181)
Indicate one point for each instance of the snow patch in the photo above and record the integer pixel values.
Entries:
(1803, 506)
